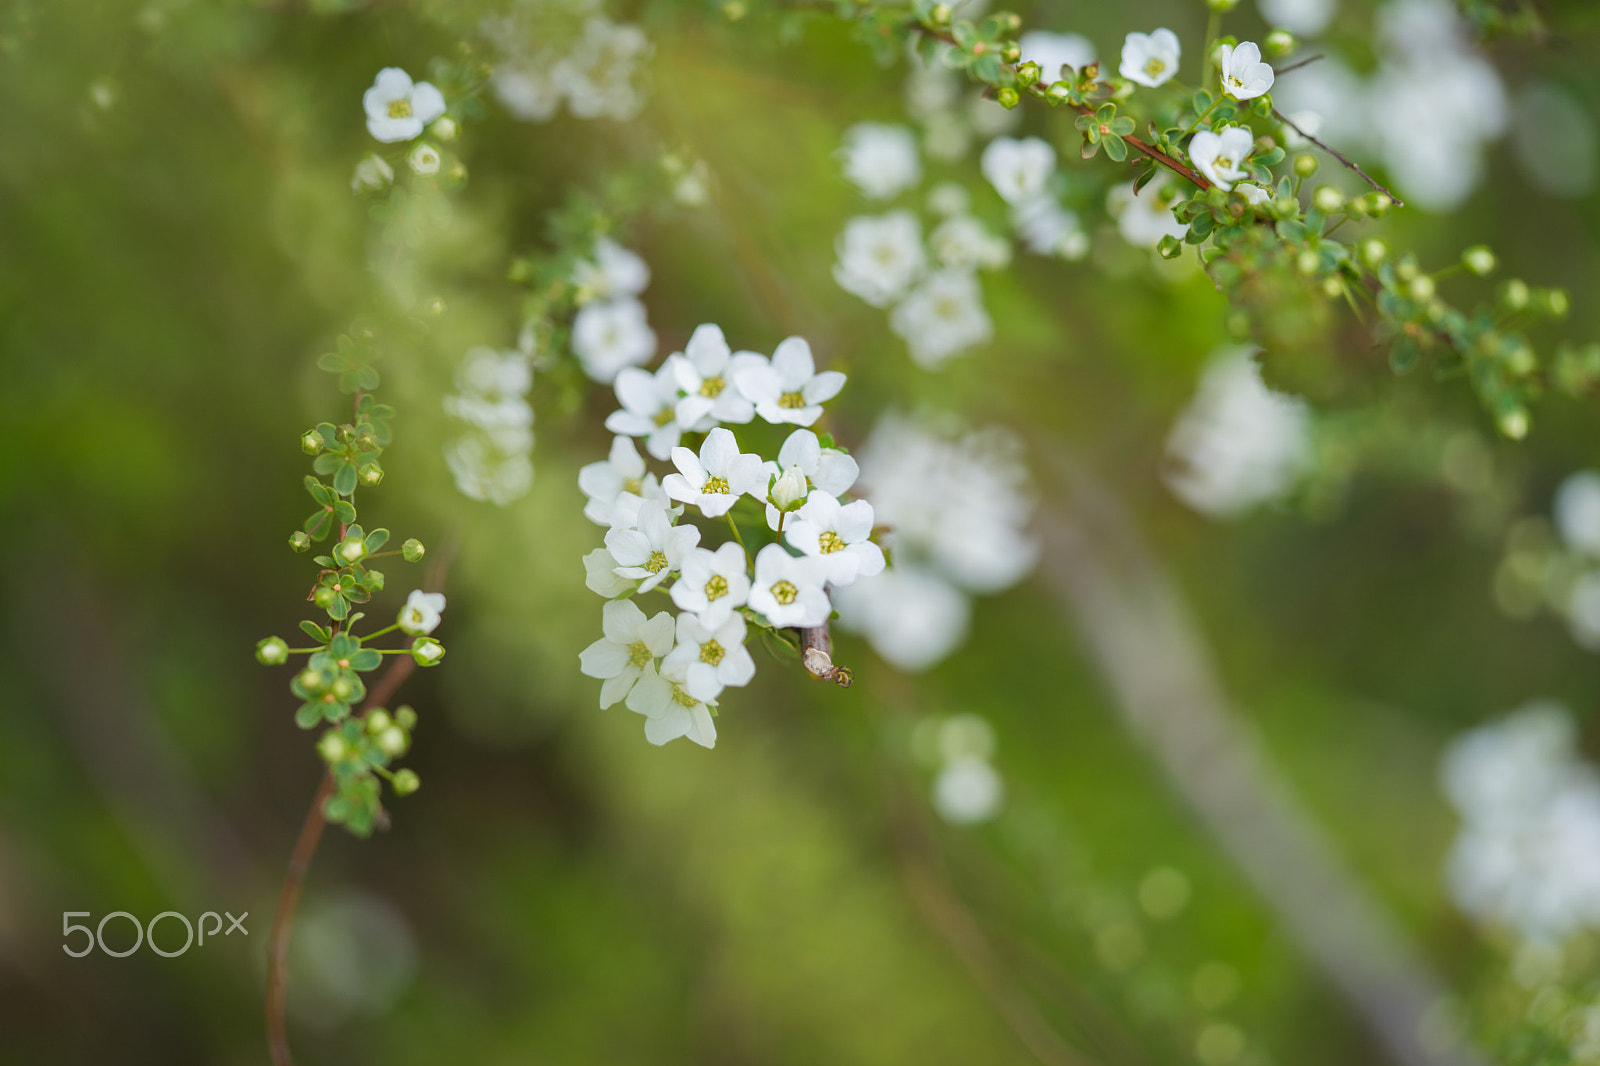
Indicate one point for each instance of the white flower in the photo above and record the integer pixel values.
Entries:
(600, 575)
(1244, 76)
(879, 256)
(1018, 169)
(912, 616)
(789, 389)
(968, 791)
(1220, 156)
(836, 535)
(527, 89)
(880, 160)
(943, 317)
(674, 705)
(423, 160)
(1239, 444)
(1052, 51)
(483, 471)
(614, 272)
(371, 174)
(964, 243)
(397, 109)
(649, 409)
(1047, 228)
(598, 77)
(1254, 194)
(609, 335)
(653, 550)
(704, 371)
(1151, 59)
(494, 375)
(715, 479)
(711, 658)
(788, 590)
(622, 473)
(1583, 611)
(631, 645)
(1144, 218)
(420, 615)
(1577, 511)
(949, 198)
(713, 583)
(804, 464)
(1305, 17)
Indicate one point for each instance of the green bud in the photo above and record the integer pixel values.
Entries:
(444, 129)
(1515, 294)
(1421, 288)
(939, 14)
(1373, 251)
(427, 652)
(1010, 53)
(1170, 247)
(342, 690)
(371, 475)
(1308, 262)
(1305, 164)
(1554, 302)
(272, 651)
(378, 721)
(311, 442)
(1010, 21)
(332, 747)
(1479, 259)
(1222, 5)
(350, 550)
(299, 541)
(1514, 423)
(405, 782)
(1521, 361)
(374, 580)
(392, 742)
(412, 550)
(405, 718)
(1407, 267)
(324, 597)
(1008, 97)
(311, 679)
(1028, 73)
(1327, 199)
(1332, 287)
(1379, 204)
(1058, 92)
(1279, 42)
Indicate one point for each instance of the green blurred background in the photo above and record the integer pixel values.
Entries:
(178, 243)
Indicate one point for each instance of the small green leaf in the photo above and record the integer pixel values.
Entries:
(319, 524)
(366, 659)
(1116, 148)
(344, 511)
(315, 632)
(377, 539)
(344, 480)
(319, 492)
(308, 715)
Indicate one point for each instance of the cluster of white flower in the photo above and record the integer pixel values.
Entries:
(931, 288)
(398, 110)
(1020, 171)
(966, 787)
(922, 477)
(490, 462)
(611, 330)
(1239, 444)
(673, 671)
(1577, 521)
(952, 114)
(1428, 110)
(1528, 853)
(585, 61)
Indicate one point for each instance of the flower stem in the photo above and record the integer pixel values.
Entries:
(1196, 123)
(735, 527)
(1213, 27)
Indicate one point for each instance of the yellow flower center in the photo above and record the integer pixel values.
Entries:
(682, 698)
(792, 401)
(634, 485)
(785, 592)
(664, 416)
(1154, 67)
(638, 654)
(830, 542)
(399, 108)
(656, 563)
(717, 587)
(711, 652)
(712, 387)
(716, 484)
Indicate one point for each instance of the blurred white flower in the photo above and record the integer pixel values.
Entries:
(1555, 142)
(968, 791)
(880, 160)
(788, 590)
(943, 317)
(962, 242)
(649, 408)
(613, 272)
(1244, 75)
(631, 645)
(789, 389)
(879, 256)
(1577, 511)
(1305, 17)
(715, 479)
(1145, 218)
(599, 76)
(912, 616)
(1018, 169)
(609, 335)
(1239, 444)
(420, 615)
(1221, 156)
(423, 160)
(398, 109)
(527, 89)
(1047, 228)
(837, 535)
(371, 174)
(1151, 59)
(1583, 610)
(482, 471)
(1052, 51)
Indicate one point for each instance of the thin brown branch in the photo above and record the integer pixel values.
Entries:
(305, 847)
(1340, 156)
(1306, 62)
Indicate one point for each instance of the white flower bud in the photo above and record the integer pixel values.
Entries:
(1479, 259)
(372, 175)
(445, 129)
(272, 651)
(427, 651)
(392, 742)
(424, 160)
(332, 747)
(789, 489)
(351, 549)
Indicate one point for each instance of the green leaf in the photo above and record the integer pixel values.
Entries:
(327, 462)
(308, 715)
(319, 492)
(344, 511)
(1116, 148)
(1403, 356)
(366, 659)
(339, 608)
(344, 480)
(986, 67)
(319, 524)
(315, 632)
(1091, 145)
(376, 540)
(1122, 126)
